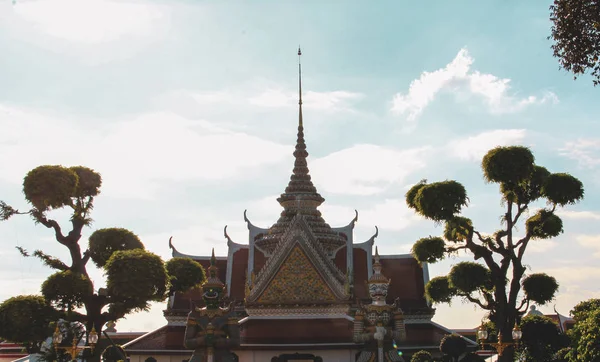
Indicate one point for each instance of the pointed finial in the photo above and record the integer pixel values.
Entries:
(213, 259)
(299, 89)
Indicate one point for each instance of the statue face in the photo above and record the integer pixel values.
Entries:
(378, 291)
(212, 296)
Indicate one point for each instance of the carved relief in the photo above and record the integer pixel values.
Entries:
(296, 281)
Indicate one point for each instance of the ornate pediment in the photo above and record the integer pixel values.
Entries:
(297, 281)
(282, 273)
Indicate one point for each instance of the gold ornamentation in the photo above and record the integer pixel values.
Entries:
(297, 281)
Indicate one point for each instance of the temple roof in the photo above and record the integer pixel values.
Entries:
(300, 197)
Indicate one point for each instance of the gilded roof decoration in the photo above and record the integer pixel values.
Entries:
(300, 234)
(297, 281)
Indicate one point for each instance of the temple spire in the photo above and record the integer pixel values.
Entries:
(299, 89)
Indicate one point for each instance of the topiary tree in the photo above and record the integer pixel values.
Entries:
(453, 345)
(421, 356)
(585, 334)
(114, 353)
(496, 281)
(135, 277)
(541, 340)
(576, 36)
(26, 319)
(185, 274)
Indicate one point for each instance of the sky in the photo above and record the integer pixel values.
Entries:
(188, 109)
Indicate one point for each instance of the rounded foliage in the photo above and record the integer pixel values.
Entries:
(584, 336)
(457, 228)
(184, 274)
(114, 353)
(472, 357)
(582, 309)
(135, 277)
(412, 193)
(439, 290)
(89, 181)
(508, 165)
(527, 190)
(50, 187)
(541, 338)
(563, 189)
(421, 356)
(67, 290)
(540, 287)
(576, 35)
(440, 200)
(104, 242)
(469, 276)
(25, 319)
(429, 250)
(453, 345)
(544, 225)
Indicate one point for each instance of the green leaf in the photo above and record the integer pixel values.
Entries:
(563, 189)
(67, 289)
(50, 187)
(104, 242)
(440, 201)
(544, 224)
(429, 250)
(185, 274)
(468, 277)
(508, 165)
(439, 290)
(540, 287)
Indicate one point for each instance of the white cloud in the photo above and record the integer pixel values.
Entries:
(134, 156)
(457, 75)
(541, 246)
(90, 21)
(366, 169)
(585, 151)
(590, 242)
(333, 101)
(578, 215)
(475, 147)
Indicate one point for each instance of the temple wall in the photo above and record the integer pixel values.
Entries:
(260, 356)
(265, 356)
(158, 357)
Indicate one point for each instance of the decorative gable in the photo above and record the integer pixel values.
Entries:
(298, 247)
(297, 281)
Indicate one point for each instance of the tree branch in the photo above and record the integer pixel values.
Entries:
(524, 302)
(474, 300)
(86, 257)
(50, 261)
(39, 217)
(452, 249)
(6, 211)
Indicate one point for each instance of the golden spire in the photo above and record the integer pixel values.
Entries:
(299, 89)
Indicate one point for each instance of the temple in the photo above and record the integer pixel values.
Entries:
(303, 290)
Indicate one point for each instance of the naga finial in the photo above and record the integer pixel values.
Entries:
(229, 241)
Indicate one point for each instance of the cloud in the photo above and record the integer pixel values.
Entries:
(458, 75)
(585, 151)
(92, 21)
(590, 242)
(541, 246)
(134, 155)
(93, 32)
(271, 97)
(578, 215)
(475, 147)
(366, 169)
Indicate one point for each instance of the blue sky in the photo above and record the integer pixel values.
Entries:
(189, 108)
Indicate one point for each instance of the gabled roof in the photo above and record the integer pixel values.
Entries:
(299, 234)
